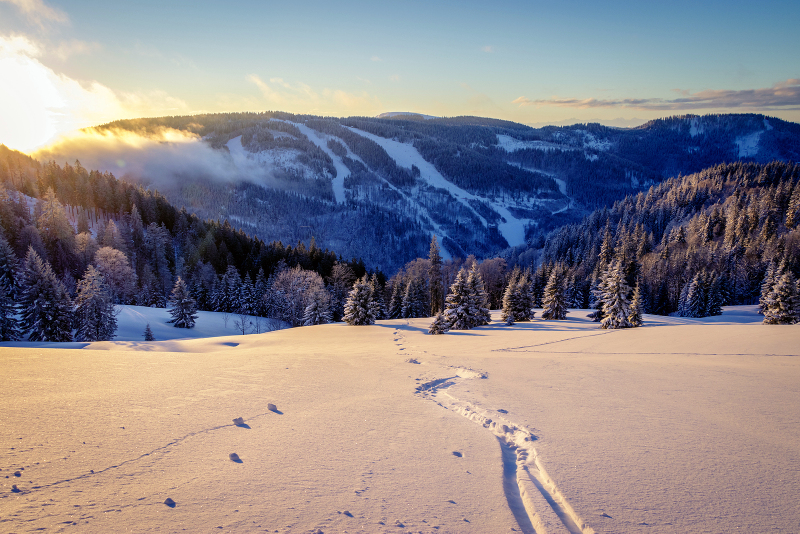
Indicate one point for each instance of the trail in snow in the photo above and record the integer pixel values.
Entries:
(533, 497)
(513, 229)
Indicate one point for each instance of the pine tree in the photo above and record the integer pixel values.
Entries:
(9, 324)
(635, 317)
(378, 303)
(616, 306)
(439, 325)
(45, 306)
(766, 286)
(396, 303)
(695, 304)
(783, 302)
(793, 212)
(358, 309)
(148, 333)
(554, 301)
(479, 300)
(95, 319)
(596, 300)
(435, 277)
(511, 298)
(457, 307)
(183, 308)
(715, 297)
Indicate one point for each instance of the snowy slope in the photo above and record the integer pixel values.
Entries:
(513, 229)
(685, 425)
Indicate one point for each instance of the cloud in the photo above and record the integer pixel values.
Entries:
(783, 95)
(39, 12)
(37, 103)
(163, 159)
(394, 77)
(302, 98)
(75, 47)
(488, 49)
(375, 58)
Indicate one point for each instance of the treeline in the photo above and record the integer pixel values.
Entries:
(717, 232)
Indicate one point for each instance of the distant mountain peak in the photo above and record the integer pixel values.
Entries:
(405, 115)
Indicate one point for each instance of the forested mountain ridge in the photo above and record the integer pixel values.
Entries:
(377, 188)
(735, 226)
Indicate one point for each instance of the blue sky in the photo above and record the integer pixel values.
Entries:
(531, 62)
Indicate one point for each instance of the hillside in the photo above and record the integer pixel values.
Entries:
(377, 188)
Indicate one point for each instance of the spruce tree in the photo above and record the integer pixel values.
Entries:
(378, 303)
(95, 319)
(439, 325)
(695, 304)
(435, 277)
(635, 317)
(555, 301)
(478, 299)
(45, 306)
(511, 298)
(766, 285)
(457, 306)
(616, 306)
(715, 297)
(782, 304)
(358, 308)
(148, 333)
(395, 310)
(183, 308)
(9, 324)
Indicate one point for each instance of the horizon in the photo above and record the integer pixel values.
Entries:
(67, 65)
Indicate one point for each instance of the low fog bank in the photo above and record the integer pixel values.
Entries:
(162, 160)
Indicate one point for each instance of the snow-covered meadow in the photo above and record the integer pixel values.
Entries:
(683, 425)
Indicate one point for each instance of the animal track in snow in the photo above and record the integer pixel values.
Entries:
(533, 497)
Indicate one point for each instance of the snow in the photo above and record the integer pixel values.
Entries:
(684, 425)
(562, 185)
(695, 127)
(510, 144)
(342, 171)
(748, 144)
(512, 229)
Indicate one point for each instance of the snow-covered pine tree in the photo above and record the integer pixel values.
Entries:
(435, 277)
(45, 306)
(511, 298)
(183, 308)
(378, 303)
(95, 319)
(9, 324)
(766, 285)
(318, 309)
(457, 306)
(596, 300)
(395, 310)
(635, 317)
(615, 291)
(148, 333)
(439, 325)
(715, 297)
(479, 300)
(358, 309)
(695, 304)
(793, 211)
(554, 300)
(783, 303)
(683, 310)
(526, 298)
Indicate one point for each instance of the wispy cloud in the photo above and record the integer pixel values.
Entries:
(75, 47)
(488, 49)
(301, 97)
(375, 58)
(783, 95)
(39, 12)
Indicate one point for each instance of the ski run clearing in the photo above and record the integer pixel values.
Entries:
(683, 425)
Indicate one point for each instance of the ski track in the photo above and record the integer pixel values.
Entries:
(513, 229)
(537, 504)
(342, 171)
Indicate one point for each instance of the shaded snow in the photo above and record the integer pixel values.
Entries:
(748, 144)
(684, 425)
(509, 144)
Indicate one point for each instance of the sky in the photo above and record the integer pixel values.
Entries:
(68, 64)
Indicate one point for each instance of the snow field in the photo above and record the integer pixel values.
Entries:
(683, 425)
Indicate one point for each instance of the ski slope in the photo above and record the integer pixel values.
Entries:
(512, 229)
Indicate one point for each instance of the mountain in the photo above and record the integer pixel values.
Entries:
(377, 188)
